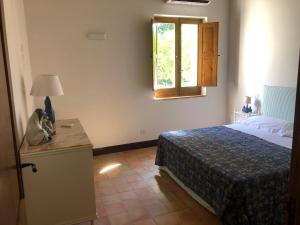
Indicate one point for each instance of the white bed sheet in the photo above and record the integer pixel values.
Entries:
(270, 137)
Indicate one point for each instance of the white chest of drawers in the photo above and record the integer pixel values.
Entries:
(62, 191)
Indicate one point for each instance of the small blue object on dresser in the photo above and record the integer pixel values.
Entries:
(49, 110)
(247, 109)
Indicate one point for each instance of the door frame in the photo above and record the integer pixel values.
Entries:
(10, 96)
(294, 181)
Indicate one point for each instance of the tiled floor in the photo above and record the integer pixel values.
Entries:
(132, 191)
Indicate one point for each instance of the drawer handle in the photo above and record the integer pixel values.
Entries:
(33, 166)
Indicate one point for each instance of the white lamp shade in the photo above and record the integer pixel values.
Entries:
(46, 85)
(247, 100)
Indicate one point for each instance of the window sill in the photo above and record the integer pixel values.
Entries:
(177, 97)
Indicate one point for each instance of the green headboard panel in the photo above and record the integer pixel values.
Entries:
(279, 102)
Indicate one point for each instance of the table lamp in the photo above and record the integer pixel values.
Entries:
(247, 109)
(47, 85)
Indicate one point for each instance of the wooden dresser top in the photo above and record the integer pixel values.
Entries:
(65, 139)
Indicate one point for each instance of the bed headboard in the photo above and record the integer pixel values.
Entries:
(279, 102)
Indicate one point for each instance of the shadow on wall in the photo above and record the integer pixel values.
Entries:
(234, 43)
(234, 53)
(256, 48)
(24, 99)
(20, 118)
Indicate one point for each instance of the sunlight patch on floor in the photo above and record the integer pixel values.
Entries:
(109, 168)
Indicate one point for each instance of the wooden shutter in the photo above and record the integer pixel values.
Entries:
(208, 54)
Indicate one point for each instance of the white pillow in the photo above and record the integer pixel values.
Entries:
(269, 124)
(287, 130)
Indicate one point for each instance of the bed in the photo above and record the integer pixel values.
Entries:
(239, 171)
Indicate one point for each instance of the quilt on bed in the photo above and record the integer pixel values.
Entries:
(242, 177)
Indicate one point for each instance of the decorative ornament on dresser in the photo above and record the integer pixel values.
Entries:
(47, 85)
(39, 129)
(257, 105)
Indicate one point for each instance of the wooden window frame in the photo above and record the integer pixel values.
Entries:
(178, 91)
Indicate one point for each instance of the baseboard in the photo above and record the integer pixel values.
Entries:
(125, 147)
(79, 220)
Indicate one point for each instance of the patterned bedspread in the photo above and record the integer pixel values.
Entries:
(242, 177)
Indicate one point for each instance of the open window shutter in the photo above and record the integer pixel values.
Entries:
(208, 54)
(153, 52)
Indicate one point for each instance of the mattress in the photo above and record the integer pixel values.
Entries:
(242, 177)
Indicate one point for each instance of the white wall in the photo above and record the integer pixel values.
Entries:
(108, 84)
(264, 47)
(19, 63)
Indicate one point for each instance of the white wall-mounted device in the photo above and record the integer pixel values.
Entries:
(96, 36)
(190, 2)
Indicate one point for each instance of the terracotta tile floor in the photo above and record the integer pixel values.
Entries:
(134, 192)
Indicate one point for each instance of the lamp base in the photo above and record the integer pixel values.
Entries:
(49, 110)
(247, 109)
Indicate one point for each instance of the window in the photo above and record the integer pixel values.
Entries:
(184, 56)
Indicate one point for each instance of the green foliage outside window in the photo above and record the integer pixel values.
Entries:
(164, 56)
(164, 53)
